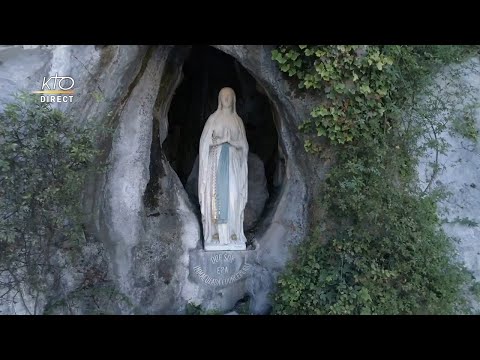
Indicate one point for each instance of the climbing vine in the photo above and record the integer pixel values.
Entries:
(362, 87)
(385, 252)
(355, 80)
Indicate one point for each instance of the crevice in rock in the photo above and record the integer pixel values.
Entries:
(111, 122)
(135, 81)
(154, 190)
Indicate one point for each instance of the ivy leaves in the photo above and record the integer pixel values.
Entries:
(289, 62)
(353, 80)
(384, 251)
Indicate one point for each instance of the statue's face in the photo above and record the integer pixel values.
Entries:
(226, 99)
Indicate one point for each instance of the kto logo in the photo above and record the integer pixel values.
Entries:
(56, 89)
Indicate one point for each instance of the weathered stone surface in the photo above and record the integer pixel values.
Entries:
(459, 175)
(102, 79)
(149, 237)
(128, 175)
(102, 74)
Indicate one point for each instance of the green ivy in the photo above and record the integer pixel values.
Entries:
(361, 86)
(385, 252)
(355, 81)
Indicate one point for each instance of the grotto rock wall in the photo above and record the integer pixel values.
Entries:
(144, 219)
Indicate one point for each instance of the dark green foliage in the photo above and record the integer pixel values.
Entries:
(386, 252)
(98, 298)
(194, 309)
(45, 159)
(464, 125)
(355, 81)
(362, 86)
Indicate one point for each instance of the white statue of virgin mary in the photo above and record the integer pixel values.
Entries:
(223, 176)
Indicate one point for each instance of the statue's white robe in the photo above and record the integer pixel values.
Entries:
(227, 127)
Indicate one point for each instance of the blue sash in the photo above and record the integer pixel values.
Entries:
(222, 184)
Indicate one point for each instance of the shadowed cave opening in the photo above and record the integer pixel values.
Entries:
(205, 71)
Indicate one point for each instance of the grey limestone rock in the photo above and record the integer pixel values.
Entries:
(144, 219)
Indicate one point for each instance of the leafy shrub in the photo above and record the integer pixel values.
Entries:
(386, 256)
(45, 158)
(386, 253)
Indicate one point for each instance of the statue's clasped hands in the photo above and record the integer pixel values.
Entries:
(218, 140)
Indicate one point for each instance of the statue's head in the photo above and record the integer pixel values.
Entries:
(226, 99)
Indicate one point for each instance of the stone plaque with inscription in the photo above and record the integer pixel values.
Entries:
(219, 268)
